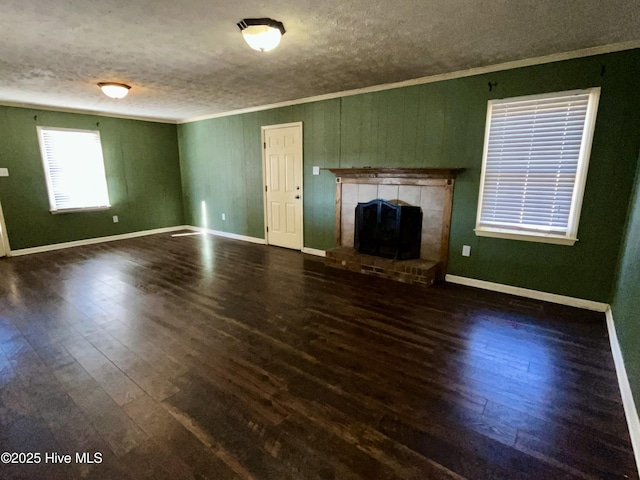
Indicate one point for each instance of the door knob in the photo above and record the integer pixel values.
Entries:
(297, 197)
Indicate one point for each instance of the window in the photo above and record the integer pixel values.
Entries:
(534, 166)
(74, 169)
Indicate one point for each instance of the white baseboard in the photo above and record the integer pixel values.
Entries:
(630, 410)
(261, 241)
(92, 241)
(525, 292)
(314, 251)
(124, 236)
(234, 236)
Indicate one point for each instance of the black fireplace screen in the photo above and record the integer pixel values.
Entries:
(388, 230)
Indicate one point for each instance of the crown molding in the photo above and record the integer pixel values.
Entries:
(556, 57)
(80, 111)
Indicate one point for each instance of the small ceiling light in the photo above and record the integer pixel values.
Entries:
(262, 34)
(114, 90)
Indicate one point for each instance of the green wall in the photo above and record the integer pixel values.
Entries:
(627, 294)
(438, 124)
(221, 165)
(142, 168)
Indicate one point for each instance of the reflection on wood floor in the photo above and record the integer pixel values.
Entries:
(199, 357)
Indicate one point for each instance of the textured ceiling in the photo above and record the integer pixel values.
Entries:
(187, 58)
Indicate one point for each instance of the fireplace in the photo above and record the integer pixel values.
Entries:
(430, 190)
(388, 230)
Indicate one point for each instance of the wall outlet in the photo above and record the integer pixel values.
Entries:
(4, 172)
(466, 251)
(316, 170)
(115, 219)
(224, 216)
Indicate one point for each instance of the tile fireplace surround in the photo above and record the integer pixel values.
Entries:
(429, 188)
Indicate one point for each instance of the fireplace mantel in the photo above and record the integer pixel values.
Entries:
(396, 172)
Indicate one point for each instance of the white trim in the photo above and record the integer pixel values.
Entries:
(92, 241)
(525, 292)
(261, 241)
(630, 409)
(282, 125)
(556, 57)
(62, 211)
(79, 111)
(124, 236)
(265, 209)
(4, 237)
(524, 236)
(583, 164)
(234, 236)
(314, 251)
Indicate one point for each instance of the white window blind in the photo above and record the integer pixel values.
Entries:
(535, 162)
(74, 168)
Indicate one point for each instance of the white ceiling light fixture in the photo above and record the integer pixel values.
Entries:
(262, 34)
(114, 90)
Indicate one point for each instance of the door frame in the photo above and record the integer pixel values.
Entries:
(4, 237)
(263, 130)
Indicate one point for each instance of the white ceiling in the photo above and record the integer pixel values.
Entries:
(187, 58)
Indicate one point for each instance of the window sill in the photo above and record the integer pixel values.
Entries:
(526, 237)
(76, 210)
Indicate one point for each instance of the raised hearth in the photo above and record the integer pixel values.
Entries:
(417, 272)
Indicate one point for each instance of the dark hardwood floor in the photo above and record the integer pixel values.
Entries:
(199, 357)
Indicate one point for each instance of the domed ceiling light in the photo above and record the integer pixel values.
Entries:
(262, 34)
(114, 90)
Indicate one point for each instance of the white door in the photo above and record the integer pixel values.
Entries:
(283, 184)
(4, 240)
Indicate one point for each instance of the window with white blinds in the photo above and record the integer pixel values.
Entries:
(534, 169)
(74, 169)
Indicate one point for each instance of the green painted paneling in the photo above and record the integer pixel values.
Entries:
(221, 162)
(143, 178)
(439, 124)
(627, 292)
